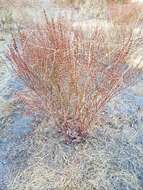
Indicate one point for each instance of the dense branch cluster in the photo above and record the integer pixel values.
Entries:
(73, 75)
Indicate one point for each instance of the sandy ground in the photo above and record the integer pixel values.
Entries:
(33, 155)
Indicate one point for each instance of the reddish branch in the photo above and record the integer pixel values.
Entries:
(73, 76)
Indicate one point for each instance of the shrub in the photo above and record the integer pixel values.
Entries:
(73, 76)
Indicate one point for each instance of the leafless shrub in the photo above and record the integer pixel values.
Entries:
(73, 76)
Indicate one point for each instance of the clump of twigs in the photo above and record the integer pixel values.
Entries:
(73, 76)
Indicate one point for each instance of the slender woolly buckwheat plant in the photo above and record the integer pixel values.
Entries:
(73, 76)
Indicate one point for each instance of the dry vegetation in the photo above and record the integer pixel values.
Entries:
(86, 8)
(125, 13)
(16, 14)
(119, 1)
(73, 76)
(74, 3)
(121, 12)
(18, 3)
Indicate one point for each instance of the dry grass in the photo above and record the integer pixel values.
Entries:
(121, 12)
(94, 164)
(94, 8)
(17, 3)
(119, 1)
(86, 8)
(125, 13)
(74, 3)
(16, 14)
(73, 76)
